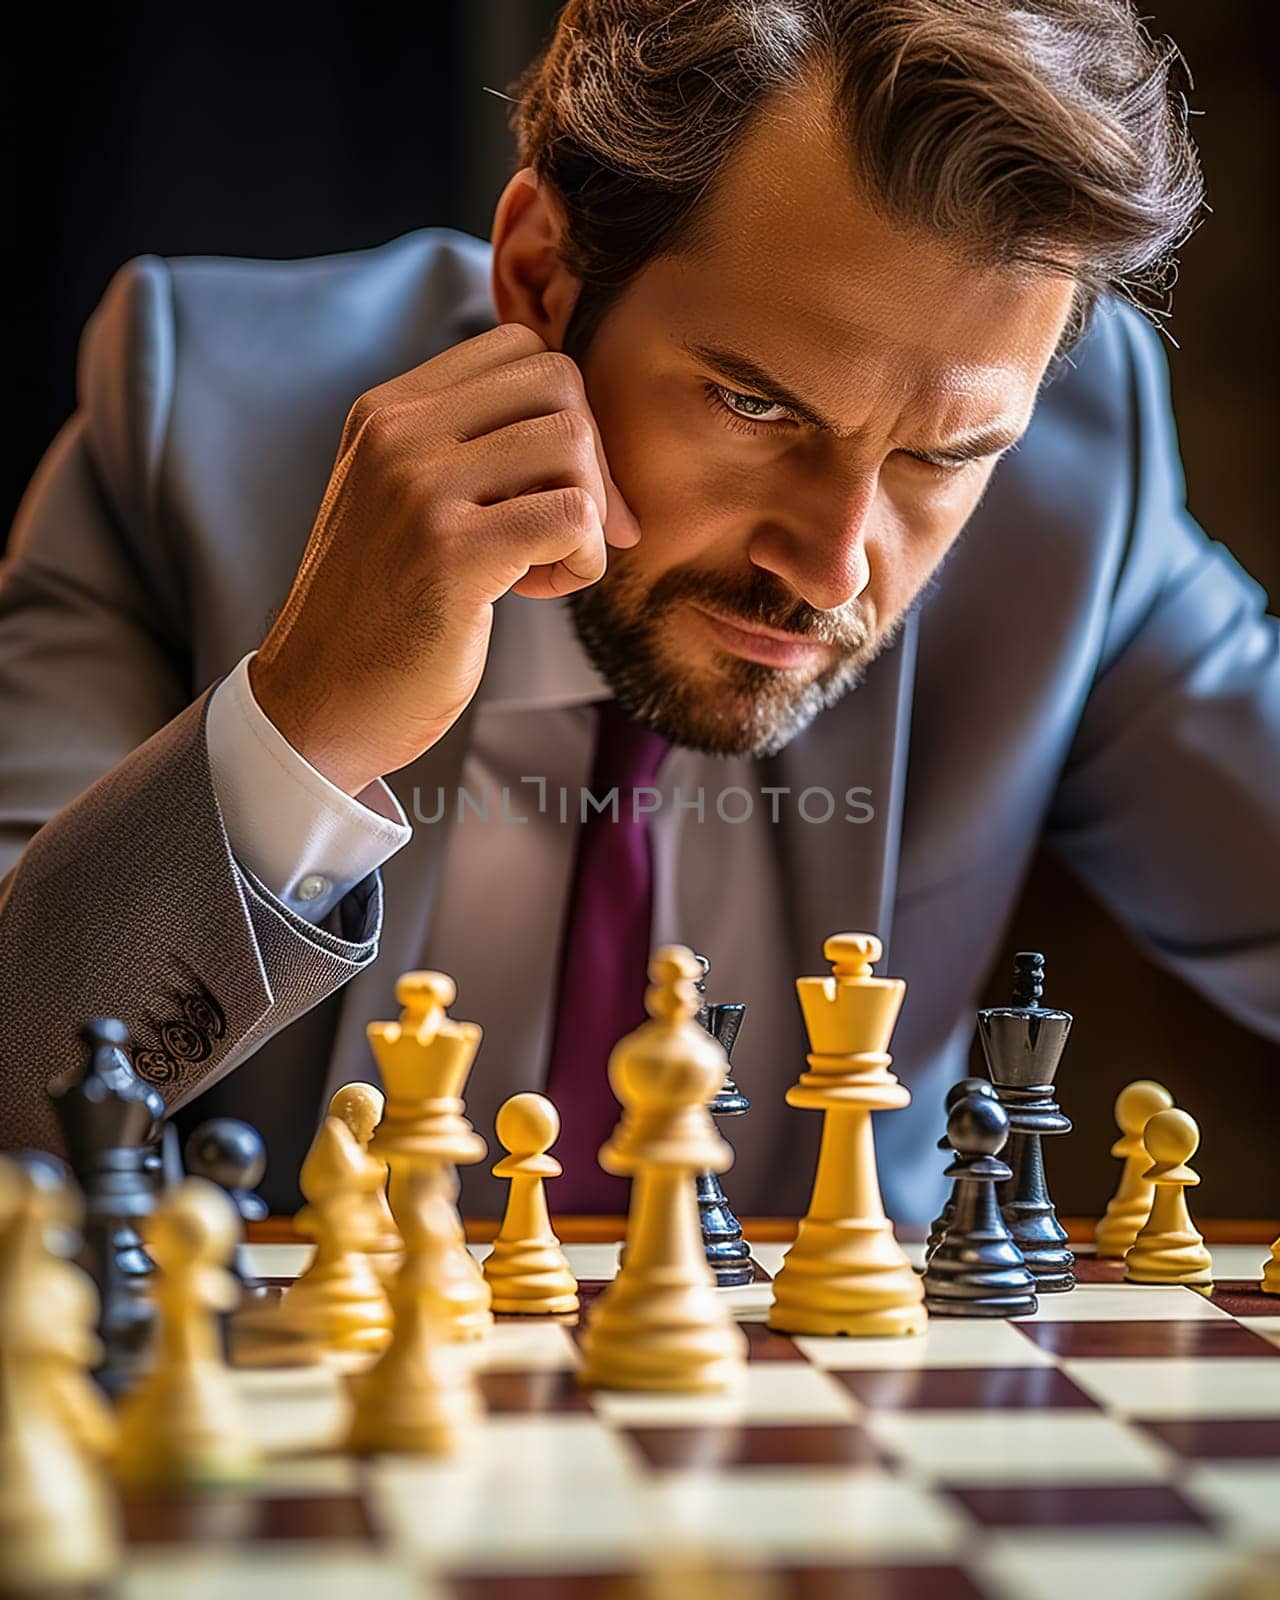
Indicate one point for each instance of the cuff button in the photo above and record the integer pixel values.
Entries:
(312, 886)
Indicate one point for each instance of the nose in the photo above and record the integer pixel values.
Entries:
(820, 551)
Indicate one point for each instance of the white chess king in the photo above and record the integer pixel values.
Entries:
(846, 1272)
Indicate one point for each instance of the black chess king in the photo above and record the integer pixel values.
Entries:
(1023, 1044)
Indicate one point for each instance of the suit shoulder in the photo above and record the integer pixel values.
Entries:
(357, 314)
(210, 355)
(161, 316)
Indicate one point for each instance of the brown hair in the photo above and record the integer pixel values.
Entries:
(1047, 134)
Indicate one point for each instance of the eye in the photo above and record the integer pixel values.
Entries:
(940, 466)
(727, 402)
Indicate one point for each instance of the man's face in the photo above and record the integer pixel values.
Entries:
(780, 553)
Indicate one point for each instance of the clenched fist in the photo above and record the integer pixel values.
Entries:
(479, 472)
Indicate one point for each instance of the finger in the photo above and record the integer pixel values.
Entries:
(548, 452)
(553, 528)
(495, 347)
(529, 387)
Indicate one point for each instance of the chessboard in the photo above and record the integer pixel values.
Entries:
(1125, 1440)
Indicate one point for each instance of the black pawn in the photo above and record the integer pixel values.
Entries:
(1023, 1044)
(977, 1270)
(109, 1119)
(232, 1154)
(956, 1092)
(728, 1253)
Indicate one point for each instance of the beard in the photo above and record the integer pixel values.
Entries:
(740, 707)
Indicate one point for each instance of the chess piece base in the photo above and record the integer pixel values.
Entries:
(428, 1412)
(530, 1277)
(660, 1324)
(1120, 1226)
(986, 1277)
(1003, 1306)
(670, 1364)
(1043, 1242)
(728, 1253)
(1170, 1258)
(465, 1297)
(183, 1430)
(732, 1274)
(848, 1278)
(647, 1331)
(339, 1306)
(58, 1525)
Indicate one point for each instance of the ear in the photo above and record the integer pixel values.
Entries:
(529, 282)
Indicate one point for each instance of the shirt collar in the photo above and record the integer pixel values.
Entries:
(536, 662)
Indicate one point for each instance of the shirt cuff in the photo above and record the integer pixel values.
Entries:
(308, 841)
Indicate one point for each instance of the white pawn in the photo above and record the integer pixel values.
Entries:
(660, 1323)
(338, 1305)
(360, 1106)
(421, 1396)
(183, 1426)
(1271, 1271)
(58, 1523)
(527, 1270)
(1169, 1249)
(1130, 1206)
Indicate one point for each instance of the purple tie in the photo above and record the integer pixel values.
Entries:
(604, 960)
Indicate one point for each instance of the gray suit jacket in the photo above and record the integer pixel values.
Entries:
(1086, 665)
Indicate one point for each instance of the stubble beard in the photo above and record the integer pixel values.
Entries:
(740, 707)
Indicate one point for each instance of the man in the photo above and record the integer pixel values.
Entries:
(687, 486)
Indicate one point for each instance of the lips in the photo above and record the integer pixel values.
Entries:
(770, 646)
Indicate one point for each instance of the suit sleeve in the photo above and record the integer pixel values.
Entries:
(1169, 803)
(119, 892)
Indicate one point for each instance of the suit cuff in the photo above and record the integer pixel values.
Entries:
(306, 840)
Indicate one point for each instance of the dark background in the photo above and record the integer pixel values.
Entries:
(287, 132)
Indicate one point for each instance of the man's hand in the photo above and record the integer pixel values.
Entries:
(478, 472)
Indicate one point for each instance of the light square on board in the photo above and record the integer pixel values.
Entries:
(1165, 1563)
(1244, 1498)
(1015, 1447)
(540, 1493)
(524, 1345)
(815, 1515)
(947, 1342)
(1179, 1388)
(266, 1572)
(774, 1392)
(1117, 1302)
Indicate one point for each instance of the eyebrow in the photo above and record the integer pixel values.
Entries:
(756, 381)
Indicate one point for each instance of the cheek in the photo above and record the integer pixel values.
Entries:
(683, 497)
(913, 532)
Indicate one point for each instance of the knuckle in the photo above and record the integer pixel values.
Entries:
(559, 373)
(360, 413)
(521, 340)
(384, 426)
(572, 427)
(578, 509)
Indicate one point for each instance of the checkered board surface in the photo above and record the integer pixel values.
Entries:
(1125, 1441)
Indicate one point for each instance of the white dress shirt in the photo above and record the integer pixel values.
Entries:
(497, 922)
